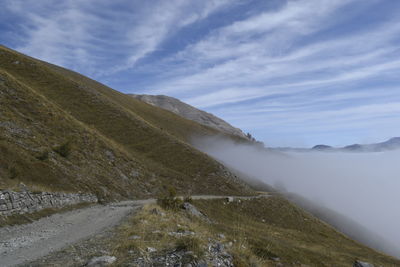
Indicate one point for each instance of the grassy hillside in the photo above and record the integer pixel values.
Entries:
(115, 143)
(258, 232)
(160, 118)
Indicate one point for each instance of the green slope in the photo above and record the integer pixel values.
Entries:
(153, 139)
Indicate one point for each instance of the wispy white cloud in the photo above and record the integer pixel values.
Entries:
(266, 67)
(277, 54)
(240, 94)
(86, 35)
(60, 37)
(279, 65)
(161, 21)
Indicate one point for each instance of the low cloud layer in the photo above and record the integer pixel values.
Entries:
(362, 186)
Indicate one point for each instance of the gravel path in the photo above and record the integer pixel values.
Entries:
(25, 243)
(19, 244)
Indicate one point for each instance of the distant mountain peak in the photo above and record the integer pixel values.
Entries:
(391, 144)
(394, 140)
(321, 147)
(191, 113)
(353, 147)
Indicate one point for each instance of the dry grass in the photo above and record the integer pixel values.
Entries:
(48, 150)
(274, 228)
(56, 105)
(152, 228)
(259, 232)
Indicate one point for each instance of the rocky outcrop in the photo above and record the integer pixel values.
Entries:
(190, 113)
(214, 255)
(27, 202)
(193, 211)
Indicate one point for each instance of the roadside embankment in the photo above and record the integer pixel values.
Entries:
(28, 202)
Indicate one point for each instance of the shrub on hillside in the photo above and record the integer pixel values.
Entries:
(43, 156)
(64, 150)
(169, 200)
(13, 172)
(188, 199)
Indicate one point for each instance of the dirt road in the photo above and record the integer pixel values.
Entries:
(24, 243)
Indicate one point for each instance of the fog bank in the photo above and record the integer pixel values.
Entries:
(362, 186)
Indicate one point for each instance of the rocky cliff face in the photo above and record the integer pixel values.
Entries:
(189, 112)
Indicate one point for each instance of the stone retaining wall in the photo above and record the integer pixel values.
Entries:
(27, 202)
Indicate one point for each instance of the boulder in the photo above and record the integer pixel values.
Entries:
(229, 199)
(151, 250)
(101, 261)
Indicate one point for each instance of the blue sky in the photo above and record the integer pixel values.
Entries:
(292, 73)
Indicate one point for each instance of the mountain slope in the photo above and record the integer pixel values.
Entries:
(191, 113)
(103, 126)
(391, 144)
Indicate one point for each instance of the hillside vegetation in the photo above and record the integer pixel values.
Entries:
(259, 232)
(62, 131)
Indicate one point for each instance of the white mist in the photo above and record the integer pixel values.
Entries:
(362, 186)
